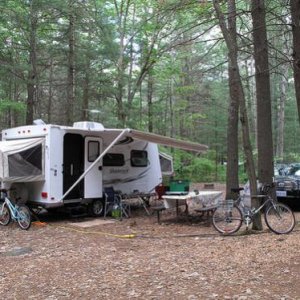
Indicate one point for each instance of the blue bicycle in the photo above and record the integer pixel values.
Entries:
(12, 211)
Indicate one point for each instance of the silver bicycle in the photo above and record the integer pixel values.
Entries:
(231, 214)
(12, 211)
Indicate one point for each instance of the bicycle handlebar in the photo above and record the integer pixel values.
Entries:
(265, 188)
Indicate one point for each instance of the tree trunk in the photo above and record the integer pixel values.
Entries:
(263, 94)
(71, 65)
(239, 93)
(250, 92)
(171, 105)
(122, 9)
(131, 65)
(280, 113)
(232, 170)
(150, 102)
(50, 96)
(85, 96)
(120, 82)
(32, 73)
(295, 13)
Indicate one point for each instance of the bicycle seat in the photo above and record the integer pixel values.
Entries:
(236, 190)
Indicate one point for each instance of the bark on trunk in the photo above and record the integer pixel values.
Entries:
(263, 94)
(71, 65)
(295, 13)
(281, 114)
(265, 164)
(85, 96)
(122, 10)
(171, 103)
(50, 96)
(150, 102)
(250, 92)
(232, 171)
(232, 49)
(32, 73)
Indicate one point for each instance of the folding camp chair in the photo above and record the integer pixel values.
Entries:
(112, 199)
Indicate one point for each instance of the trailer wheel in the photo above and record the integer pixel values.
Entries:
(96, 208)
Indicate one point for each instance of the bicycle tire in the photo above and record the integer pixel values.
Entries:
(280, 219)
(5, 216)
(24, 217)
(227, 220)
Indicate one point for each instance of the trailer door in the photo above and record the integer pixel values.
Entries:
(93, 179)
(73, 164)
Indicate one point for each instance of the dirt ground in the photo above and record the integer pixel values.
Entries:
(136, 258)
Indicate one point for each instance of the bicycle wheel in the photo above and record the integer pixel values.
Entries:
(280, 218)
(24, 217)
(4, 214)
(227, 220)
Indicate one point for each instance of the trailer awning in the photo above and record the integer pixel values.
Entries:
(167, 141)
(22, 160)
(149, 137)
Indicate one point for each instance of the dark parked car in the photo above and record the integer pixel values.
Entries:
(288, 182)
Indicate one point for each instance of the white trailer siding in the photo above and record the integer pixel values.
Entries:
(128, 178)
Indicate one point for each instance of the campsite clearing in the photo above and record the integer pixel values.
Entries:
(172, 261)
(138, 259)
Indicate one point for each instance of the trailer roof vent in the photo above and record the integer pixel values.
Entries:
(88, 125)
(39, 122)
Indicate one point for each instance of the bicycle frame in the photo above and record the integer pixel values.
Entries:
(11, 207)
(229, 217)
(248, 215)
(269, 199)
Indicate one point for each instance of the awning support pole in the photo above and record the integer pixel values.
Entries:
(95, 162)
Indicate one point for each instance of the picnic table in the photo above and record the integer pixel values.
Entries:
(195, 200)
(200, 201)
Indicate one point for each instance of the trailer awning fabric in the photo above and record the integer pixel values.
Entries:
(152, 138)
(167, 141)
(22, 160)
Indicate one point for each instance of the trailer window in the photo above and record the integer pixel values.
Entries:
(113, 160)
(93, 150)
(26, 163)
(139, 158)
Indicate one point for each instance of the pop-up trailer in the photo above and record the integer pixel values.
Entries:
(53, 166)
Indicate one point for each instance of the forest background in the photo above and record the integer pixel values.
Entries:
(154, 65)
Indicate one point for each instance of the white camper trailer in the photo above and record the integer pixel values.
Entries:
(53, 166)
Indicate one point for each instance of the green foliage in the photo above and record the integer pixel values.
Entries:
(291, 157)
(177, 42)
(197, 169)
(204, 168)
(6, 105)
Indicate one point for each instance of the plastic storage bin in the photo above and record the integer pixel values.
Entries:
(179, 186)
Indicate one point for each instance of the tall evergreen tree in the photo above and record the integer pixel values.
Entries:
(263, 93)
(295, 13)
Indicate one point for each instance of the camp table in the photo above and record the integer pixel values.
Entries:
(201, 200)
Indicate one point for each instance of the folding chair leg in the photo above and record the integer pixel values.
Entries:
(158, 216)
